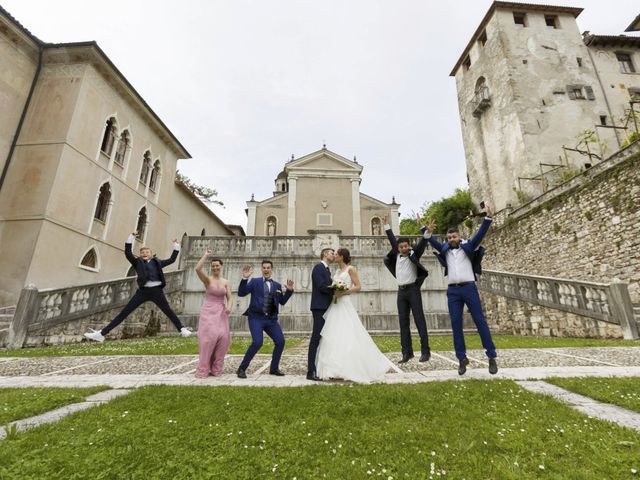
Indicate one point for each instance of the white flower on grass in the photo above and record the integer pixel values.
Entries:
(634, 471)
(433, 454)
(541, 467)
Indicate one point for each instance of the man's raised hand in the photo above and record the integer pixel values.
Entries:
(431, 226)
(289, 284)
(489, 211)
(246, 271)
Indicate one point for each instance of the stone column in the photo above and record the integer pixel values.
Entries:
(251, 217)
(355, 201)
(291, 215)
(394, 220)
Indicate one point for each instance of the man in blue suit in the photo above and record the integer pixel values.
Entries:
(321, 297)
(461, 262)
(266, 296)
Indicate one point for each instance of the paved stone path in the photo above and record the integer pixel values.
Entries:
(123, 372)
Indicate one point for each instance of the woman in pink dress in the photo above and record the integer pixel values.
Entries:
(214, 338)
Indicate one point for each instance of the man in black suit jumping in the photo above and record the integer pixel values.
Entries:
(150, 282)
(404, 264)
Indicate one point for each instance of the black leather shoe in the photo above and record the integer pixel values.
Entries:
(406, 358)
(493, 366)
(425, 357)
(313, 377)
(462, 368)
(241, 373)
(277, 372)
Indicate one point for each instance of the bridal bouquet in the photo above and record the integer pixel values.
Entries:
(338, 286)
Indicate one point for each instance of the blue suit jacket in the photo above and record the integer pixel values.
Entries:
(255, 287)
(472, 248)
(321, 291)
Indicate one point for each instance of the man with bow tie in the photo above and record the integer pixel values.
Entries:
(461, 261)
(266, 296)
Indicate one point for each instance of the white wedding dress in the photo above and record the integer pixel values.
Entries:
(346, 350)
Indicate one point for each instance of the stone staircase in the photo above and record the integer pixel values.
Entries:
(6, 315)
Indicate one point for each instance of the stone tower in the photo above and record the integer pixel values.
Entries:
(528, 84)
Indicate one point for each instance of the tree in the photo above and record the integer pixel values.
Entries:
(408, 226)
(205, 194)
(449, 211)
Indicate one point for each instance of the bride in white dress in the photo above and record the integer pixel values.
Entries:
(346, 350)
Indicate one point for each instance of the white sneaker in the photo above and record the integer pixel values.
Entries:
(94, 335)
(185, 332)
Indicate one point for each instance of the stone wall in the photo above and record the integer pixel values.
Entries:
(509, 316)
(585, 229)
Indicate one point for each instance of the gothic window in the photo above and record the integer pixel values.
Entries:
(90, 259)
(203, 233)
(271, 226)
(131, 272)
(141, 226)
(625, 63)
(102, 207)
(121, 150)
(109, 137)
(146, 167)
(155, 174)
(376, 226)
(466, 64)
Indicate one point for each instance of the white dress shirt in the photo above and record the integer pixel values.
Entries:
(459, 266)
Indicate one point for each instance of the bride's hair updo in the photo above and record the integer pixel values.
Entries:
(344, 253)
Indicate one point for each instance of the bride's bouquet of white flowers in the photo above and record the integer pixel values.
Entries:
(338, 286)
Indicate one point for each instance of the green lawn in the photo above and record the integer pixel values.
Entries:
(140, 346)
(17, 403)
(470, 429)
(624, 392)
(177, 345)
(392, 343)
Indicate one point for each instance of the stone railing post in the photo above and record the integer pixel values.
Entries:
(622, 310)
(26, 312)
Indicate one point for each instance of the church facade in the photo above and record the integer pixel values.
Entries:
(320, 194)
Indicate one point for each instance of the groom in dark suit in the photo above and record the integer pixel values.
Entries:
(404, 264)
(321, 297)
(266, 296)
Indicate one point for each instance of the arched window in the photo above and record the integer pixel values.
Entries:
(102, 207)
(271, 226)
(376, 226)
(155, 175)
(131, 272)
(109, 137)
(123, 146)
(146, 167)
(480, 83)
(141, 226)
(90, 259)
(203, 233)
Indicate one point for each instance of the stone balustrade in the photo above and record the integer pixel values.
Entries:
(41, 312)
(596, 303)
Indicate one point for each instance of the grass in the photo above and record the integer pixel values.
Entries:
(178, 345)
(624, 392)
(470, 429)
(140, 346)
(17, 403)
(439, 343)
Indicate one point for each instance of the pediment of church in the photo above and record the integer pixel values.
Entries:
(323, 161)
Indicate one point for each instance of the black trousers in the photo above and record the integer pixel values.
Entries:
(318, 323)
(410, 300)
(151, 294)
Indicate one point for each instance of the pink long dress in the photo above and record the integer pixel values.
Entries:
(214, 338)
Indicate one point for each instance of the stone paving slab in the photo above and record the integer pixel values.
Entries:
(589, 406)
(618, 356)
(44, 365)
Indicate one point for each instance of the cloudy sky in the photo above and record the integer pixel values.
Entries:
(246, 84)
